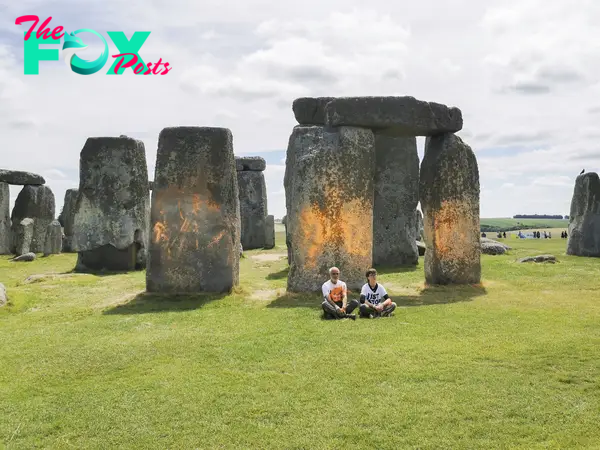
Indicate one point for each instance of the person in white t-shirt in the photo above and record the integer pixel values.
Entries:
(335, 295)
(374, 299)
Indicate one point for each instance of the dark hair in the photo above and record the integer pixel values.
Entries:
(371, 272)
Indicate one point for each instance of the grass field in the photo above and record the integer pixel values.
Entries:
(534, 223)
(91, 362)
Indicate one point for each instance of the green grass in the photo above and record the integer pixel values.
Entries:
(506, 223)
(89, 361)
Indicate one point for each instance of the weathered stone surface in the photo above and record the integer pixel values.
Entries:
(420, 227)
(310, 110)
(492, 248)
(18, 177)
(26, 257)
(251, 163)
(195, 244)
(53, 244)
(421, 247)
(584, 217)
(330, 220)
(449, 193)
(287, 239)
(492, 241)
(67, 218)
(253, 208)
(539, 259)
(5, 224)
(396, 198)
(400, 116)
(113, 203)
(3, 296)
(270, 232)
(23, 234)
(37, 203)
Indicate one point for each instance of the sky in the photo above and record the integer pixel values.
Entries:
(524, 74)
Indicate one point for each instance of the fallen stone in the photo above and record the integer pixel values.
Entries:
(449, 193)
(250, 163)
(584, 217)
(270, 232)
(421, 246)
(18, 177)
(53, 245)
(67, 218)
(253, 208)
(399, 116)
(491, 241)
(3, 297)
(539, 259)
(26, 257)
(195, 218)
(330, 220)
(113, 205)
(37, 203)
(5, 224)
(395, 200)
(310, 110)
(23, 233)
(492, 248)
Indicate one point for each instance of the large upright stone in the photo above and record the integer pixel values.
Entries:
(330, 220)
(19, 177)
(253, 208)
(111, 217)
(37, 203)
(584, 218)
(310, 110)
(5, 233)
(270, 232)
(67, 218)
(420, 227)
(399, 116)
(396, 198)
(53, 244)
(449, 192)
(195, 244)
(23, 234)
(288, 243)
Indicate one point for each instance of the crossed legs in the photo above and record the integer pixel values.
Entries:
(335, 312)
(388, 307)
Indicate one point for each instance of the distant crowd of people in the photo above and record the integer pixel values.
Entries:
(536, 235)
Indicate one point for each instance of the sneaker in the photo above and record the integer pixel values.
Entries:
(351, 316)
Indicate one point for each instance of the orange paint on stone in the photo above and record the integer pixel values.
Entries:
(453, 231)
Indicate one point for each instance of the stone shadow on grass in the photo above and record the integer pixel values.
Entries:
(146, 302)
(431, 295)
(278, 275)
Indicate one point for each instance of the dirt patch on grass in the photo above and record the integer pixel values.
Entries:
(38, 278)
(269, 257)
(265, 294)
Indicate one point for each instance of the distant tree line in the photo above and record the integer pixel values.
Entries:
(539, 216)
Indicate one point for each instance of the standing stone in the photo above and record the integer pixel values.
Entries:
(195, 218)
(584, 222)
(253, 208)
(287, 240)
(23, 235)
(449, 191)
(111, 214)
(330, 220)
(5, 225)
(270, 232)
(67, 218)
(252, 163)
(396, 198)
(37, 203)
(53, 243)
(420, 226)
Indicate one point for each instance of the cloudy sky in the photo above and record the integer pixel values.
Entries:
(524, 73)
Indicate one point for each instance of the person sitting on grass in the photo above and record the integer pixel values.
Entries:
(374, 299)
(335, 294)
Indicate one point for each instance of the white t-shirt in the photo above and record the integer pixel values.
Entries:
(373, 296)
(336, 291)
